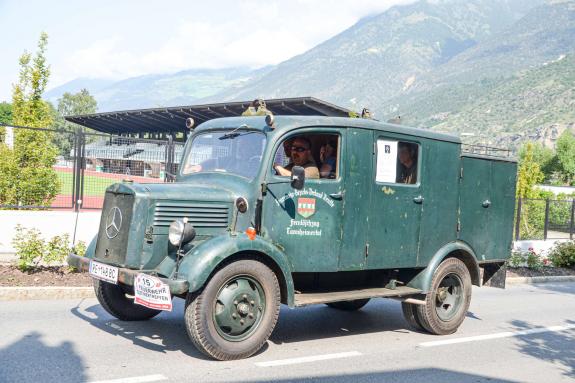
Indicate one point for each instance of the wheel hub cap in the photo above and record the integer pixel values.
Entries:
(449, 297)
(239, 308)
(243, 309)
(442, 294)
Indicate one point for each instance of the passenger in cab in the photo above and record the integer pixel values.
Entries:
(407, 155)
(327, 159)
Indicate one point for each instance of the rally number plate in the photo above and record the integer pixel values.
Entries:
(151, 292)
(104, 272)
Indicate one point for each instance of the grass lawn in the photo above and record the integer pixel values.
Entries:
(93, 185)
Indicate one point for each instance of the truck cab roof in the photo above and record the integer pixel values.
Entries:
(284, 124)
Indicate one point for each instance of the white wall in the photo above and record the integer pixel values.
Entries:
(540, 247)
(557, 189)
(50, 223)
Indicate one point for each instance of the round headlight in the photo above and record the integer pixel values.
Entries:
(181, 232)
(175, 232)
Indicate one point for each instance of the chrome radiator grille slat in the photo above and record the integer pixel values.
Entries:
(198, 214)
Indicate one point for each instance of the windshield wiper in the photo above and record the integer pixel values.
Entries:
(234, 133)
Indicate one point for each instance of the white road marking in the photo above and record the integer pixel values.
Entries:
(307, 359)
(507, 334)
(135, 379)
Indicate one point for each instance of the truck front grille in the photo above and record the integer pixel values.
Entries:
(200, 215)
(113, 236)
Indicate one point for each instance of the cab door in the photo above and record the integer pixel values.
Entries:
(357, 207)
(307, 223)
(397, 199)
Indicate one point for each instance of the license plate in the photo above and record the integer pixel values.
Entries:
(104, 272)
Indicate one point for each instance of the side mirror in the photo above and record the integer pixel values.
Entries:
(297, 179)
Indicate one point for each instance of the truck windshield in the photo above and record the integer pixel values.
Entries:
(235, 151)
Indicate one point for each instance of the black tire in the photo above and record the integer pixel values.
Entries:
(204, 309)
(437, 316)
(411, 316)
(348, 305)
(114, 300)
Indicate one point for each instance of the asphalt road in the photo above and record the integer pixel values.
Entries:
(525, 333)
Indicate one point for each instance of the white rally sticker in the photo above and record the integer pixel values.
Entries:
(152, 292)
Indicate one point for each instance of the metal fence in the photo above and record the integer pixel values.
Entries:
(545, 219)
(87, 163)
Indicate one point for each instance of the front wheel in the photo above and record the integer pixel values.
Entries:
(115, 301)
(233, 316)
(448, 300)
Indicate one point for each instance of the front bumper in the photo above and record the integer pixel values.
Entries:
(127, 276)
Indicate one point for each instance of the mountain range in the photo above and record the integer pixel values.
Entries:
(501, 69)
(156, 90)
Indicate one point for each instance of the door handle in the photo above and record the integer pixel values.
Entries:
(486, 203)
(418, 200)
(337, 196)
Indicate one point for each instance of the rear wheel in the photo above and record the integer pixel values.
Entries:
(236, 312)
(411, 316)
(349, 305)
(115, 301)
(448, 301)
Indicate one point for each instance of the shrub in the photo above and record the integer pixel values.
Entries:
(57, 249)
(563, 254)
(534, 261)
(516, 259)
(80, 248)
(528, 259)
(31, 248)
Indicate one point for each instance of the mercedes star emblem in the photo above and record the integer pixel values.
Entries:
(113, 222)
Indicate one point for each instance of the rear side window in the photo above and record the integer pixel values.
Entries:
(397, 162)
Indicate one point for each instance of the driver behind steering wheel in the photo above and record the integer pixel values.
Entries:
(300, 155)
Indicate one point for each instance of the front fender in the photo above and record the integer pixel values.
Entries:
(198, 264)
(461, 250)
(91, 249)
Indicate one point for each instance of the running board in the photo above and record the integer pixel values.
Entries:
(304, 299)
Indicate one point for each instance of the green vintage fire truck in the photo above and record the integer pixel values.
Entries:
(302, 210)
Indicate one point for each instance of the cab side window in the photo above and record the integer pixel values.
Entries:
(397, 162)
(318, 154)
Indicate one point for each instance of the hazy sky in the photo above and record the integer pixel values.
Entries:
(119, 39)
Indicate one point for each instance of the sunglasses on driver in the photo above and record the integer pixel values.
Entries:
(299, 149)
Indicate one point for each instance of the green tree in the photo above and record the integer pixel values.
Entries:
(26, 169)
(5, 113)
(528, 175)
(543, 156)
(529, 172)
(79, 103)
(28, 108)
(566, 157)
(68, 105)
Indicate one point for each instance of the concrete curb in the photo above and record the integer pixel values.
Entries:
(48, 292)
(63, 292)
(533, 280)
